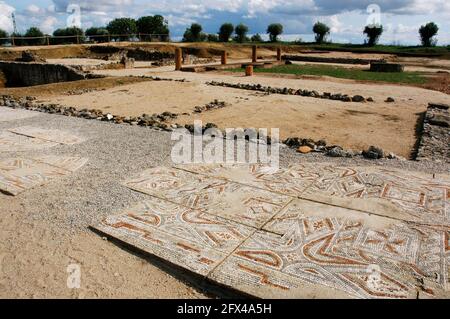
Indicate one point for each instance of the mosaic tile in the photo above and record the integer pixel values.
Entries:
(188, 238)
(292, 182)
(10, 142)
(393, 193)
(57, 136)
(354, 253)
(20, 174)
(7, 114)
(240, 203)
(69, 163)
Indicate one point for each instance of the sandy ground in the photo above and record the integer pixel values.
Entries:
(352, 125)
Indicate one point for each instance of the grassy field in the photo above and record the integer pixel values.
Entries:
(343, 73)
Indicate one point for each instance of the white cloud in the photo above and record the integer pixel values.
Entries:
(48, 25)
(6, 22)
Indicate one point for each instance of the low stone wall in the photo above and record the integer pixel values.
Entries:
(303, 58)
(435, 140)
(386, 67)
(2, 80)
(29, 74)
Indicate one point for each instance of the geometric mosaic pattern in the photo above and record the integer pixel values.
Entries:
(52, 135)
(20, 174)
(181, 235)
(306, 231)
(7, 114)
(215, 196)
(10, 142)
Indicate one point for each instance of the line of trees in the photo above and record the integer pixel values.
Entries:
(195, 33)
(321, 31)
(123, 29)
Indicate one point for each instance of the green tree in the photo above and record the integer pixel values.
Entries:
(68, 35)
(373, 33)
(34, 32)
(122, 29)
(321, 30)
(212, 37)
(3, 34)
(153, 25)
(97, 34)
(427, 33)
(194, 33)
(256, 38)
(225, 32)
(274, 30)
(241, 32)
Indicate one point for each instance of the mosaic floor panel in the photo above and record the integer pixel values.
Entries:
(20, 174)
(215, 196)
(57, 136)
(239, 231)
(391, 193)
(189, 238)
(291, 182)
(361, 255)
(10, 142)
(7, 114)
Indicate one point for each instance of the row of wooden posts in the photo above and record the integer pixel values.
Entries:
(179, 58)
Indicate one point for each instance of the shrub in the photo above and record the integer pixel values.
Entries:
(241, 33)
(3, 34)
(194, 33)
(68, 35)
(427, 33)
(122, 29)
(373, 33)
(97, 34)
(256, 38)
(274, 30)
(321, 30)
(225, 32)
(34, 32)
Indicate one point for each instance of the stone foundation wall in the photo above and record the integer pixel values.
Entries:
(303, 58)
(29, 74)
(435, 140)
(2, 80)
(386, 67)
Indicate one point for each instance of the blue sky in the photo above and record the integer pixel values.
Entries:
(347, 18)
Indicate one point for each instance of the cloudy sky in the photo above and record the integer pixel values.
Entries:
(347, 18)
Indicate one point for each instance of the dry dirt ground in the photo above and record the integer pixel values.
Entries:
(34, 260)
(351, 125)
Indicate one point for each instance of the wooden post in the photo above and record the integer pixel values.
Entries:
(78, 39)
(13, 43)
(254, 56)
(249, 70)
(178, 59)
(224, 57)
(278, 54)
(48, 40)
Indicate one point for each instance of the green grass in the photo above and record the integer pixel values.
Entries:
(343, 73)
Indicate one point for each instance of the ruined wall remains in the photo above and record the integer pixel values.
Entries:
(386, 67)
(29, 74)
(304, 58)
(2, 80)
(435, 140)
